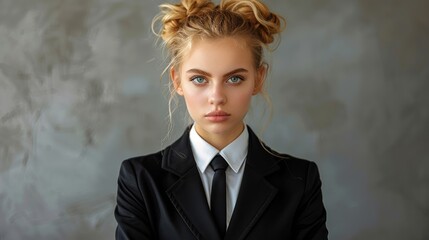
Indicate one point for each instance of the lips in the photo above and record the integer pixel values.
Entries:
(217, 113)
(217, 116)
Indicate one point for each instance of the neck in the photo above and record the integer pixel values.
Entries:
(221, 140)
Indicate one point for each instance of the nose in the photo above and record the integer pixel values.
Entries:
(217, 94)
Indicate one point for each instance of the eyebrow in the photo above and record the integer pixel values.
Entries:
(199, 71)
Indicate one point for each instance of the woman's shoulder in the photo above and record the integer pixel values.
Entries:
(150, 161)
(299, 167)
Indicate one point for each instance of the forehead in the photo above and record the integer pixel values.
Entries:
(218, 55)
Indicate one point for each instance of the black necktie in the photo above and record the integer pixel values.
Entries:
(218, 194)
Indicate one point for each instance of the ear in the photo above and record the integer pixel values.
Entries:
(260, 79)
(174, 76)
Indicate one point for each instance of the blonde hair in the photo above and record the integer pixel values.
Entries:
(183, 22)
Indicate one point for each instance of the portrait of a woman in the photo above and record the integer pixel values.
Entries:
(219, 180)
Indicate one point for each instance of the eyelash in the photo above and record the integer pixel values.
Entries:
(241, 78)
(194, 78)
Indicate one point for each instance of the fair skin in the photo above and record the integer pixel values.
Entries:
(217, 79)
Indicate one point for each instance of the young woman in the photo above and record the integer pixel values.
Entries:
(219, 181)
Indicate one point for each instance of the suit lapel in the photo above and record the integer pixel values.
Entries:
(256, 193)
(187, 193)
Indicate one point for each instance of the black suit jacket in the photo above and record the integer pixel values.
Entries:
(160, 196)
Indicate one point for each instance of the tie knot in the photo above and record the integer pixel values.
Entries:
(218, 163)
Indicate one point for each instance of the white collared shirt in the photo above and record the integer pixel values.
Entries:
(234, 154)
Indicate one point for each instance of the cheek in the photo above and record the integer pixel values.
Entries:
(193, 98)
(243, 98)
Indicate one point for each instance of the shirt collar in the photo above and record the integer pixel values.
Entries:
(234, 153)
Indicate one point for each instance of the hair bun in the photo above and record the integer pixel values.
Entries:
(175, 15)
(197, 7)
(266, 23)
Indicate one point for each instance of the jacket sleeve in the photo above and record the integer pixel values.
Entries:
(131, 212)
(310, 222)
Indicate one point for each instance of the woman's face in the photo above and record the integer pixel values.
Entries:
(217, 79)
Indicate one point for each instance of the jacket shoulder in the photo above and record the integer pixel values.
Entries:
(297, 167)
(149, 159)
(150, 163)
(301, 168)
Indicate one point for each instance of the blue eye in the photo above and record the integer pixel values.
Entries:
(198, 80)
(235, 79)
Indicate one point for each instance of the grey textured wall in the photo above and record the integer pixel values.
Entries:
(80, 92)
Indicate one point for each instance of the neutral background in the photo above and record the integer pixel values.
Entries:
(80, 92)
